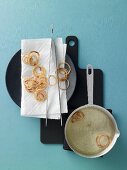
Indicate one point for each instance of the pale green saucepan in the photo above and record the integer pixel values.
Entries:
(86, 126)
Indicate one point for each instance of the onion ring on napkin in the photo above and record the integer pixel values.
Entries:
(41, 80)
(30, 84)
(54, 77)
(42, 72)
(67, 85)
(65, 63)
(40, 95)
(62, 74)
(25, 58)
(31, 58)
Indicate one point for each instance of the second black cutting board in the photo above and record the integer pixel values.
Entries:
(54, 133)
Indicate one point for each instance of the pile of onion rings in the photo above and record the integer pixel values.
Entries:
(39, 82)
(62, 76)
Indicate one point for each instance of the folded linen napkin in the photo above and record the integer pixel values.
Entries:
(49, 52)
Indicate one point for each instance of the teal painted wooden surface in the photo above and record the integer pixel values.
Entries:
(101, 26)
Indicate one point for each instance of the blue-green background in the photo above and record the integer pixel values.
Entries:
(101, 26)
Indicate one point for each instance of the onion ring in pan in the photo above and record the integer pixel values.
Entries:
(99, 139)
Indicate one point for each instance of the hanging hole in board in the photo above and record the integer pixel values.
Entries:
(89, 71)
(71, 43)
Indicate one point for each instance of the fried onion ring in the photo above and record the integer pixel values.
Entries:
(33, 59)
(62, 74)
(65, 64)
(25, 58)
(42, 72)
(54, 77)
(67, 82)
(30, 84)
(40, 95)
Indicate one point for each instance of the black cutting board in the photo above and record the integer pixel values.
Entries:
(54, 133)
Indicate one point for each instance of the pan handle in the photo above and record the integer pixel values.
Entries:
(90, 78)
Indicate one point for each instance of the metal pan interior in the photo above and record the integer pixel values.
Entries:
(89, 131)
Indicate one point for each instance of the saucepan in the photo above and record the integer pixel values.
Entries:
(91, 131)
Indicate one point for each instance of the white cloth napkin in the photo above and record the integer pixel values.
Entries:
(49, 52)
(60, 55)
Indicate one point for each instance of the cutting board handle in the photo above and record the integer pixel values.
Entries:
(72, 49)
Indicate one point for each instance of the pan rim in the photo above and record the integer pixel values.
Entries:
(116, 135)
